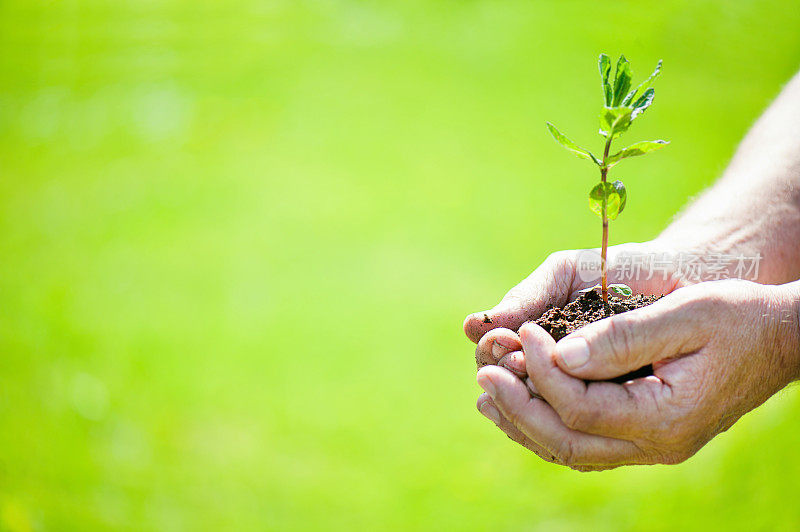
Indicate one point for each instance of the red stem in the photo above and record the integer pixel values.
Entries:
(604, 248)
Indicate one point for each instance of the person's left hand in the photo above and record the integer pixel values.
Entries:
(718, 349)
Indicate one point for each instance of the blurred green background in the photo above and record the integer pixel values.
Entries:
(238, 240)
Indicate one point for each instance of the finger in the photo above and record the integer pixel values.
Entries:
(549, 284)
(486, 404)
(538, 421)
(515, 363)
(494, 345)
(487, 407)
(625, 411)
(626, 342)
(533, 390)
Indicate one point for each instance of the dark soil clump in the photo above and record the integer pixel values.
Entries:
(588, 308)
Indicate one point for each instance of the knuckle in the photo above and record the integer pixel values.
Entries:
(572, 419)
(687, 305)
(701, 304)
(620, 339)
(690, 299)
(708, 296)
(576, 418)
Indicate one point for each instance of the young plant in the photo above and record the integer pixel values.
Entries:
(621, 106)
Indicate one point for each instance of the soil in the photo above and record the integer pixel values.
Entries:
(589, 307)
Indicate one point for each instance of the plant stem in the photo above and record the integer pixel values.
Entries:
(604, 248)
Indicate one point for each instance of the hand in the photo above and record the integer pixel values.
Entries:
(718, 349)
(555, 282)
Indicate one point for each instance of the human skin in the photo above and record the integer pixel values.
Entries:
(719, 349)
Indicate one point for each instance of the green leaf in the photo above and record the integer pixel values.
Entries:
(604, 64)
(571, 146)
(622, 81)
(605, 196)
(615, 120)
(634, 150)
(629, 97)
(623, 196)
(644, 101)
(590, 289)
(620, 290)
(643, 86)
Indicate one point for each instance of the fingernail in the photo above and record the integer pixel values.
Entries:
(498, 350)
(533, 391)
(515, 362)
(487, 385)
(574, 352)
(490, 412)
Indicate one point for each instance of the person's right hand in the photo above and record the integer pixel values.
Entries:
(718, 350)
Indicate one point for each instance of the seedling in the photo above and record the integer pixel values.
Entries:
(622, 105)
(622, 291)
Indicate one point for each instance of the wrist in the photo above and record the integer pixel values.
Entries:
(771, 251)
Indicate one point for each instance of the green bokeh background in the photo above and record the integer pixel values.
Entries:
(238, 240)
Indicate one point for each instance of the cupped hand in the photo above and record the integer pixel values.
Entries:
(559, 279)
(555, 282)
(718, 349)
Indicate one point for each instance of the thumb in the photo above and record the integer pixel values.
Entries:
(626, 342)
(550, 283)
